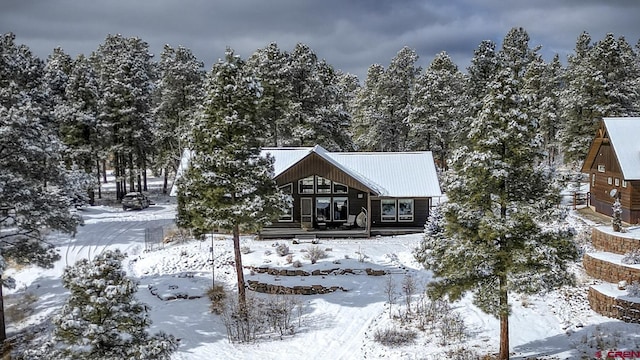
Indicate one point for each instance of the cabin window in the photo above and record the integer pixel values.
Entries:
(340, 208)
(600, 168)
(288, 215)
(405, 209)
(323, 209)
(609, 180)
(340, 188)
(388, 210)
(305, 186)
(624, 183)
(593, 180)
(616, 181)
(323, 186)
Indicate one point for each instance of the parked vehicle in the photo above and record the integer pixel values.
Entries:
(135, 200)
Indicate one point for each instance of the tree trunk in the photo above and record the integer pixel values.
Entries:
(504, 319)
(165, 184)
(242, 298)
(3, 331)
(98, 173)
(104, 171)
(131, 175)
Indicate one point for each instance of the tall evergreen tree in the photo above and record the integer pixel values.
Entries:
(178, 95)
(229, 185)
(270, 65)
(32, 176)
(438, 108)
(500, 204)
(102, 319)
(601, 81)
(368, 115)
(126, 76)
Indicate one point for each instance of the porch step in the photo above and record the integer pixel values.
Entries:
(306, 237)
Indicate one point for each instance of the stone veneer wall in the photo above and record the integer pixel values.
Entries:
(626, 311)
(609, 272)
(614, 244)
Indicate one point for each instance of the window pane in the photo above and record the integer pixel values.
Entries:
(340, 188)
(340, 208)
(323, 186)
(388, 210)
(288, 215)
(323, 209)
(305, 186)
(405, 210)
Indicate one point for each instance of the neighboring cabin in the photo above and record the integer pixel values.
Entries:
(353, 193)
(613, 165)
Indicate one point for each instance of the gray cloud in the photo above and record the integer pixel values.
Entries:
(350, 35)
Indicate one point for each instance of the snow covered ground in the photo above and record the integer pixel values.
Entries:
(339, 325)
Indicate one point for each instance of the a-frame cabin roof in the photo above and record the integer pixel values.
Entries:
(623, 133)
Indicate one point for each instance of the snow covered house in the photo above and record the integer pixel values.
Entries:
(353, 194)
(613, 165)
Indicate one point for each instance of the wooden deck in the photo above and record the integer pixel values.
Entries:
(295, 233)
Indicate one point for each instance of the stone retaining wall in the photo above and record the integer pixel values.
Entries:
(609, 272)
(295, 290)
(612, 243)
(626, 311)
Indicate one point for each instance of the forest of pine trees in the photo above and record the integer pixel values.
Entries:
(117, 109)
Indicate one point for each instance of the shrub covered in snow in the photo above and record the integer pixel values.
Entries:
(616, 221)
(314, 253)
(282, 249)
(394, 337)
(631, 258)
(634, 289)
(102, 319)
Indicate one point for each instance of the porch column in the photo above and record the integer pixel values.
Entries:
(368, 214)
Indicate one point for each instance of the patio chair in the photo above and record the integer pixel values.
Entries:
(351, 221)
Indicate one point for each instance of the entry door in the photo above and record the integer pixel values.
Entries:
(306, 210)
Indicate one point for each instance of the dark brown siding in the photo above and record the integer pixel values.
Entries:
(421, 213)
(315, 165)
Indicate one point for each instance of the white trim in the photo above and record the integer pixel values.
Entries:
(407, 218)
(313, 190)
(395, 210)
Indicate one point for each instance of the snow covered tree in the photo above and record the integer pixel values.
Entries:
(32, 176)
(505, 232)
(368, 114)
(229, 185)
(126, 75)
(179, 93)
(438, 107)
(102, 319)
(387, 98)
(601, 80)
(616, 220)
(270, 66)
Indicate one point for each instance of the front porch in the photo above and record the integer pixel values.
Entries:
(356, 233)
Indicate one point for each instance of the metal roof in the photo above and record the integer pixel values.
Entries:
(624, 133)
(392, 174)
(389, 174)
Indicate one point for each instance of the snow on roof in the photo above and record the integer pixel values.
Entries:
(397, 174)
(393, 174)
(623, 133)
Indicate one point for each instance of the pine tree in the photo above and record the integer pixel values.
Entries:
(501, 202)
(368, 115)
(616, 220)
(179, 93)
(126, 76)
(270, 66)
(102, 319)
(32, 177)
(229, 185)
(438, 108)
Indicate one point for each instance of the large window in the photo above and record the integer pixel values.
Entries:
(340, 208)
(340, 188)
(323, 186)
(323, 209)
(405, 209)
(388, 210)
(288, 215)
(305, 186)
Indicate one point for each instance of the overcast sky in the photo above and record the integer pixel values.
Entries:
(350, 34)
